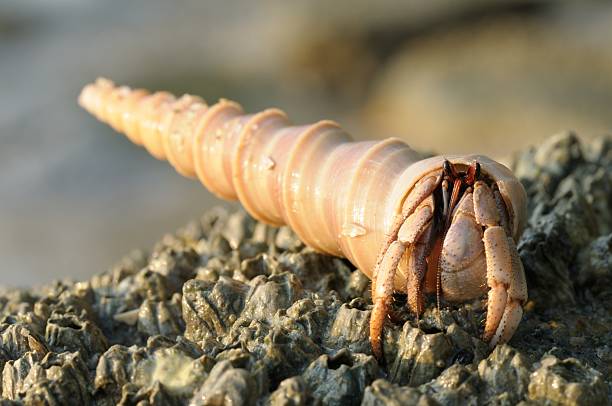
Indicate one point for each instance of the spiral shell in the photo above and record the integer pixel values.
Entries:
(338, 195)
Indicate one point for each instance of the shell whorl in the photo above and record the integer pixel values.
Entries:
(338, 195)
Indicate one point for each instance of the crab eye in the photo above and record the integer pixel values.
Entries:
(447, 167)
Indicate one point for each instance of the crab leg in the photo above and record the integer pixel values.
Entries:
(382, 294)
(421, 191)
(415, 231)
(505, 276)
(517, 295)
(417, 268)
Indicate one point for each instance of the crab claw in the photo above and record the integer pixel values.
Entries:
(505, 275)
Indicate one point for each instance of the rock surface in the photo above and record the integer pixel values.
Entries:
(230, 311)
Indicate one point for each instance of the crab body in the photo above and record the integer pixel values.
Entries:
(446, 224)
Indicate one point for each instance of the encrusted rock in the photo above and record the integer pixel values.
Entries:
(268, 295)
(161, 318)
(457, 385)
(416, 357)
(231, 311)
(239, 226)
(210, 309)
(594, 263)
(318, 273)
(146, 396)
(227, 385)
(340, 379)
(350, 328)
(506, 374)
(15, 372)
(68, 332)
(384, 393)
(179, 367)
(54, 379)
(566, 194)
(567, 382)
(291, 392)
(17, 339)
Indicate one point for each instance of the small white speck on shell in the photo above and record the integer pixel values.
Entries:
(352, 230)
(268, 163)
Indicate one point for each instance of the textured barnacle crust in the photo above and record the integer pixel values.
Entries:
(230, 310)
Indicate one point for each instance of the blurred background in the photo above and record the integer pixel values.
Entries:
(447, 76)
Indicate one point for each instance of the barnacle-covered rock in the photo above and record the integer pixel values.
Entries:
(52, 379)
(210, 309)
(383, 393)
(417, 355)
(319, 273)
(594, 263)
(227, 385)
(179, 367)
(350, 328)
(542, 168)
(340, 379)
(285, 352)
(567, 382)
(146, 396)
(570, 193)
(231, 310)
(116, 368)
(309, 315)
(268, 295)
(506, 374)
(239, 226)
(291, 392)
(260, 264)
(176, 261)
(17, 339)
(15, 372)
(15, 301)
(414, 356)
(161, 318)
(547, 248)
(61, 298)
(457, 385)
(67, 332)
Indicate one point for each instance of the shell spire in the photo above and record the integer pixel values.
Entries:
(338, 195)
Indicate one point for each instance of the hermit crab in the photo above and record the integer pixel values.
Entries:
(442, 224)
